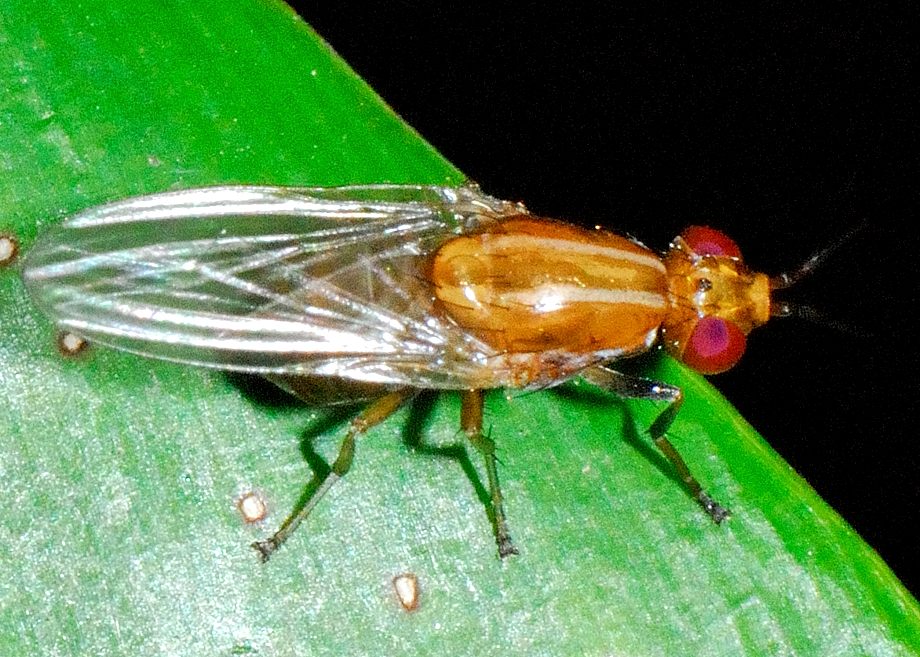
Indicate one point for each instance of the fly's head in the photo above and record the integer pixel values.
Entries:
(715, 300)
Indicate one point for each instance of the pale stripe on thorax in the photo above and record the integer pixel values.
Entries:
(508, 242)
(546, 298)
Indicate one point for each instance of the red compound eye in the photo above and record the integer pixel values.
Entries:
(709, 241)
(715, 345)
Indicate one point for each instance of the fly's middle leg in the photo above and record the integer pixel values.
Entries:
(632, 387)
(471, 423)
(374, 414)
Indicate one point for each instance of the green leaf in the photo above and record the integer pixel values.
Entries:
(120, 534)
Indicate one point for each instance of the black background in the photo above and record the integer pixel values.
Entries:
(783, 127)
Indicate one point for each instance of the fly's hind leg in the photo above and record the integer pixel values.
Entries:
(633, 387)
(374, 414)
(471, 423)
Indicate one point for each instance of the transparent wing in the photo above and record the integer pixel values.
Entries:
(267, 279)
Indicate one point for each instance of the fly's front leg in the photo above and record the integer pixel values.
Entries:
(471, 423)
(633, 387)
(374, 414)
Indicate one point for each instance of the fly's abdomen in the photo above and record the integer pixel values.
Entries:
(528, 285)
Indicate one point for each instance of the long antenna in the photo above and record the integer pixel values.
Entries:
(790, 278)
(785, 280)
(810, 314)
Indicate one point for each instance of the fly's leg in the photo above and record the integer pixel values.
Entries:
(633, 387)
(374, 414)
(471, 423)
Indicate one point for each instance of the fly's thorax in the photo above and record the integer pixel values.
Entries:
(714, 292)
(527, 284)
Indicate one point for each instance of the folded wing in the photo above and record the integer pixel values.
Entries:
(325, 281)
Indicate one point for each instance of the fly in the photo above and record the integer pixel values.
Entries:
(386, 290)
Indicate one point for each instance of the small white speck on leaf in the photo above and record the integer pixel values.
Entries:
(70, 344)
(252, 507)
(407, 590)
(9, 248)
